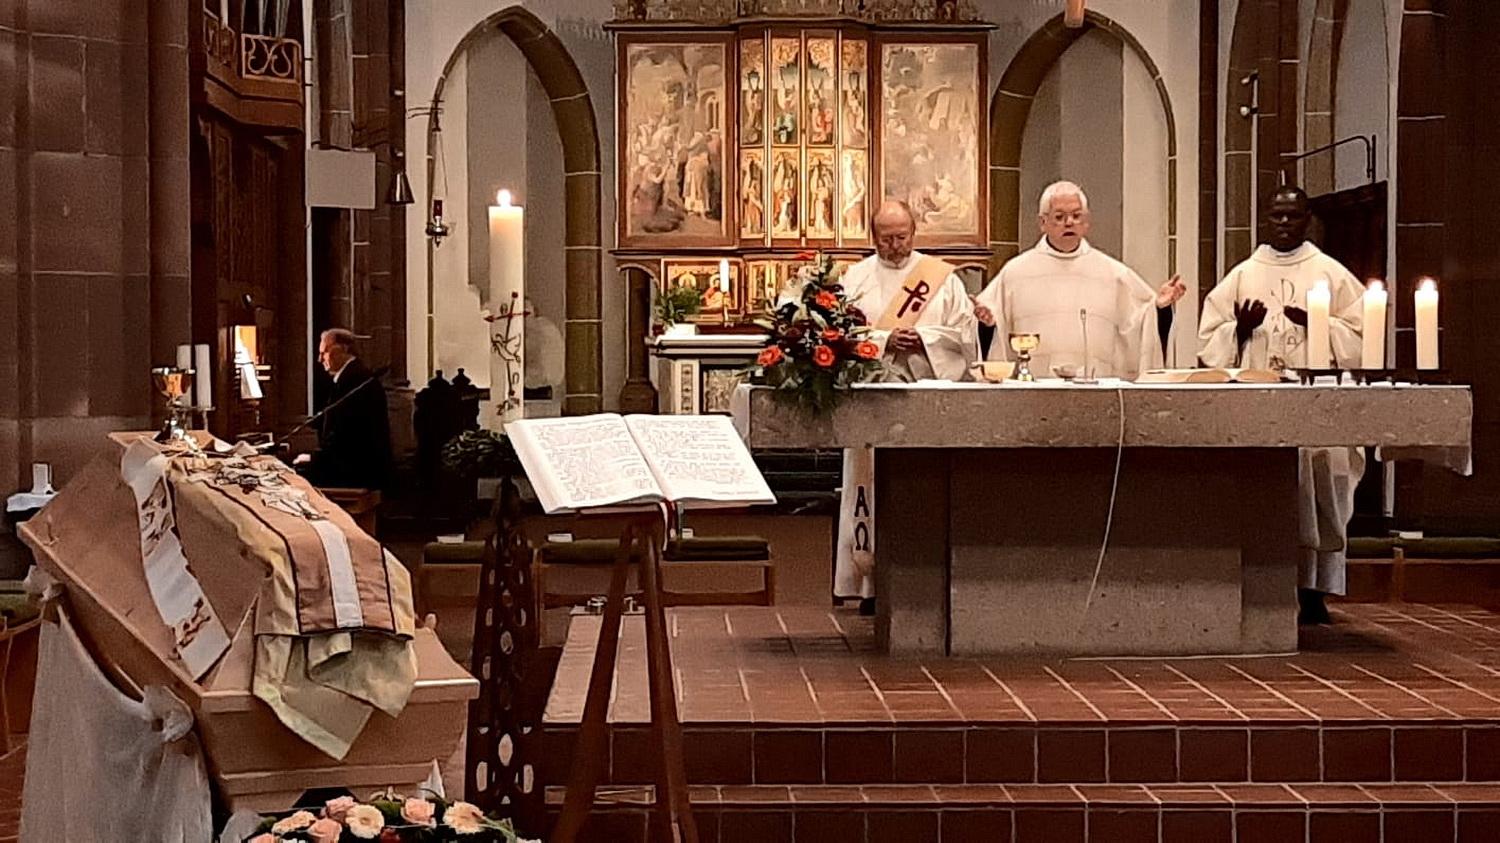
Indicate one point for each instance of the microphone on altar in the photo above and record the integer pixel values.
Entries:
(276, 443)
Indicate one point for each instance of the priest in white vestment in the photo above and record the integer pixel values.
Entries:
(1090, 309)
(1257, 318)
(924, 326)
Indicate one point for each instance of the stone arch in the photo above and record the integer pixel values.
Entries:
(1011, 106)
(1239, 140)
(1319, 92)
(573, 111)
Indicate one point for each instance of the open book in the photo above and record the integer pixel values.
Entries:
(1210, 376)
(608, 460)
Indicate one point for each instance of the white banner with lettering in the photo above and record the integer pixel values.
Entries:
(854, 564)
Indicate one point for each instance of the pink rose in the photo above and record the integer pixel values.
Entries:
(325, 831)
(419, 812)
(338, 809)
(296, 822)
(464, 818)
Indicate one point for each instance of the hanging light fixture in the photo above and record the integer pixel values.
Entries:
(400, 185)
(1073, 14)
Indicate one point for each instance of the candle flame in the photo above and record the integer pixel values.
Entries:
(503, 198)
(1428, 284)
(1321, 283)
(1375, 285)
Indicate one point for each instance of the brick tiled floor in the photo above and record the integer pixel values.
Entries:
(1378, 665)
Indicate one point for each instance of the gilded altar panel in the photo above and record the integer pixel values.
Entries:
(929, 139)
(672, 140)
(715, 302)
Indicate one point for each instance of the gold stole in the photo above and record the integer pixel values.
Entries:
(921, 284)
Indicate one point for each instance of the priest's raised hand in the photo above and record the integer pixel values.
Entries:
(1295, 315)
(1170, 292)
(1248, 316)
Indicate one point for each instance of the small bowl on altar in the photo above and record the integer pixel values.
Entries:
(992, 371)
(1066, 371)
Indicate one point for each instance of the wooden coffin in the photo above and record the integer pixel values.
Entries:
(87, 538)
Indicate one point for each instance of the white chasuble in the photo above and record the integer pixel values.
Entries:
(1327, 476)
(1054, 294)
(945, 322)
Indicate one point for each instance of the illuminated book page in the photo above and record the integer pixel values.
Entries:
(582, 462)
(700, 460)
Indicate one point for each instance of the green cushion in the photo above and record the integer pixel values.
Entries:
(452, 552)
(696, 549)
(1432, 547)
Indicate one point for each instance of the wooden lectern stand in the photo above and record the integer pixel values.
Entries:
(642, 540)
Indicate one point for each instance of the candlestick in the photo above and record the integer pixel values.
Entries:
(1372, 351)
(203, 376)
(1318, 350)
(1427, 324)
(507, 293)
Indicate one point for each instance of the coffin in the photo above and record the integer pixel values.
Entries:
(87, 539)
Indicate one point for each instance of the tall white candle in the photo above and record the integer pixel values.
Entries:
(724, 278)
(507, 292)
(202, 376)
(1319, 352)
(1427, 324)
(184, 356)
(1372, 351)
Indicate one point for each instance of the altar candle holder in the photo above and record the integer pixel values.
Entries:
(1309, 377)
(1373, 376)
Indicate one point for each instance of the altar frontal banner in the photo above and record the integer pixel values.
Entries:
(199, 637)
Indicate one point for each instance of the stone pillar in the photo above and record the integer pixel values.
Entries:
(637, 395)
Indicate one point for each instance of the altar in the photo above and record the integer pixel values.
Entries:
(995, 505)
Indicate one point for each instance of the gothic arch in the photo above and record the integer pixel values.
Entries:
(574, 113)
(1011, 106)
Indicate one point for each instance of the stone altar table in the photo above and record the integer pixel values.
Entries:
(991, 503)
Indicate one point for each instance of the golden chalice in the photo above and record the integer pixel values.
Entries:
(173, 384)
(1023, 345)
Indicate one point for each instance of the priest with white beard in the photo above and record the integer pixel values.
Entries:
(1257, 318)
(1095, 315)
(923, 323)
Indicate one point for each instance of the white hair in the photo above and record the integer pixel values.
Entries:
(1057, 190)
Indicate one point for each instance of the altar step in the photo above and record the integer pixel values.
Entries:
(1275, 813)
(1119, 753)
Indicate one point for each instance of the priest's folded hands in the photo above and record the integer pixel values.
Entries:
(905, 339)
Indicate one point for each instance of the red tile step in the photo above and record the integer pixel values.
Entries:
(1065, 813)
(1130, 752)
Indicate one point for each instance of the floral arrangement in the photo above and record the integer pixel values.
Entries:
(387, 818)
(480, 453)
(817, 343)
(676, 305)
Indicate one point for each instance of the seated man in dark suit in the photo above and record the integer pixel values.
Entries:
(354, 438)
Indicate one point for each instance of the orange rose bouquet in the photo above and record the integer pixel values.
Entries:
(817, 345)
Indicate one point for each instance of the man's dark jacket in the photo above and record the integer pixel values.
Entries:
(354, 438)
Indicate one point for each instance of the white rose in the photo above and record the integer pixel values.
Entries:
(365, 821)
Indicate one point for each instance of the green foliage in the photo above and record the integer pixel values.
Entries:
(479, 453)
(676, 305)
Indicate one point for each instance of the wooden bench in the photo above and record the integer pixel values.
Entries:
(597, 556)
(363, 504)
(1448, 569)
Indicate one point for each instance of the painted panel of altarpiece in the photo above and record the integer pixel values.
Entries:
(753, 194)
(929, 139)
(672, 143)
(702, 276)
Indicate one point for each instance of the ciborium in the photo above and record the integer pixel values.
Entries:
(1023, 345)
(173, 383)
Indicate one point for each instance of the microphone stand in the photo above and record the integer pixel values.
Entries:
(300, 426)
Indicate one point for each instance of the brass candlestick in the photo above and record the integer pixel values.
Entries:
(1023, 345)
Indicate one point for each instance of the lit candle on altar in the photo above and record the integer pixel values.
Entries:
(1318, 349)
(1372, 354)
(724, 276)
(507, 292)
(1427, 324)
